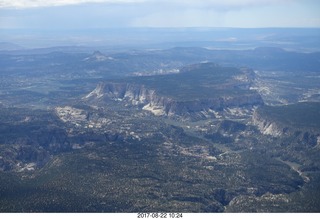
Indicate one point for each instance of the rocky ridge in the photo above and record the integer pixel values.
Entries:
(307, 134)
(267, 127)
(136, 94)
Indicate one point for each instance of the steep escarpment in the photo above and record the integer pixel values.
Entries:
(150, 100)
(266, 125)
(137, 94)
(197, 89)
(299, 121)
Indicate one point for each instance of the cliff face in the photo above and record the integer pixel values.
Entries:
(161, 105)
(300, 134)
(136, 94)
(267, 126)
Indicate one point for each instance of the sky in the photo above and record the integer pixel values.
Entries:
(82, 14)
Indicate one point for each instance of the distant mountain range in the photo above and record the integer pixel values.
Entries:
(10, 46)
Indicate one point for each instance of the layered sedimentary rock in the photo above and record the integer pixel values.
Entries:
(267, 126)
(161, 105)
(283, 121)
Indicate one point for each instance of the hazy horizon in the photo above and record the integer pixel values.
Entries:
(65, 14)
(118, 23)
(298, 39)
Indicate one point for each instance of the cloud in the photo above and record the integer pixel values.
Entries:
(218, 4)
(195, 13)
(227, 4)
(184, 18)
(66, 17)
(157, 13)
(21, 4)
